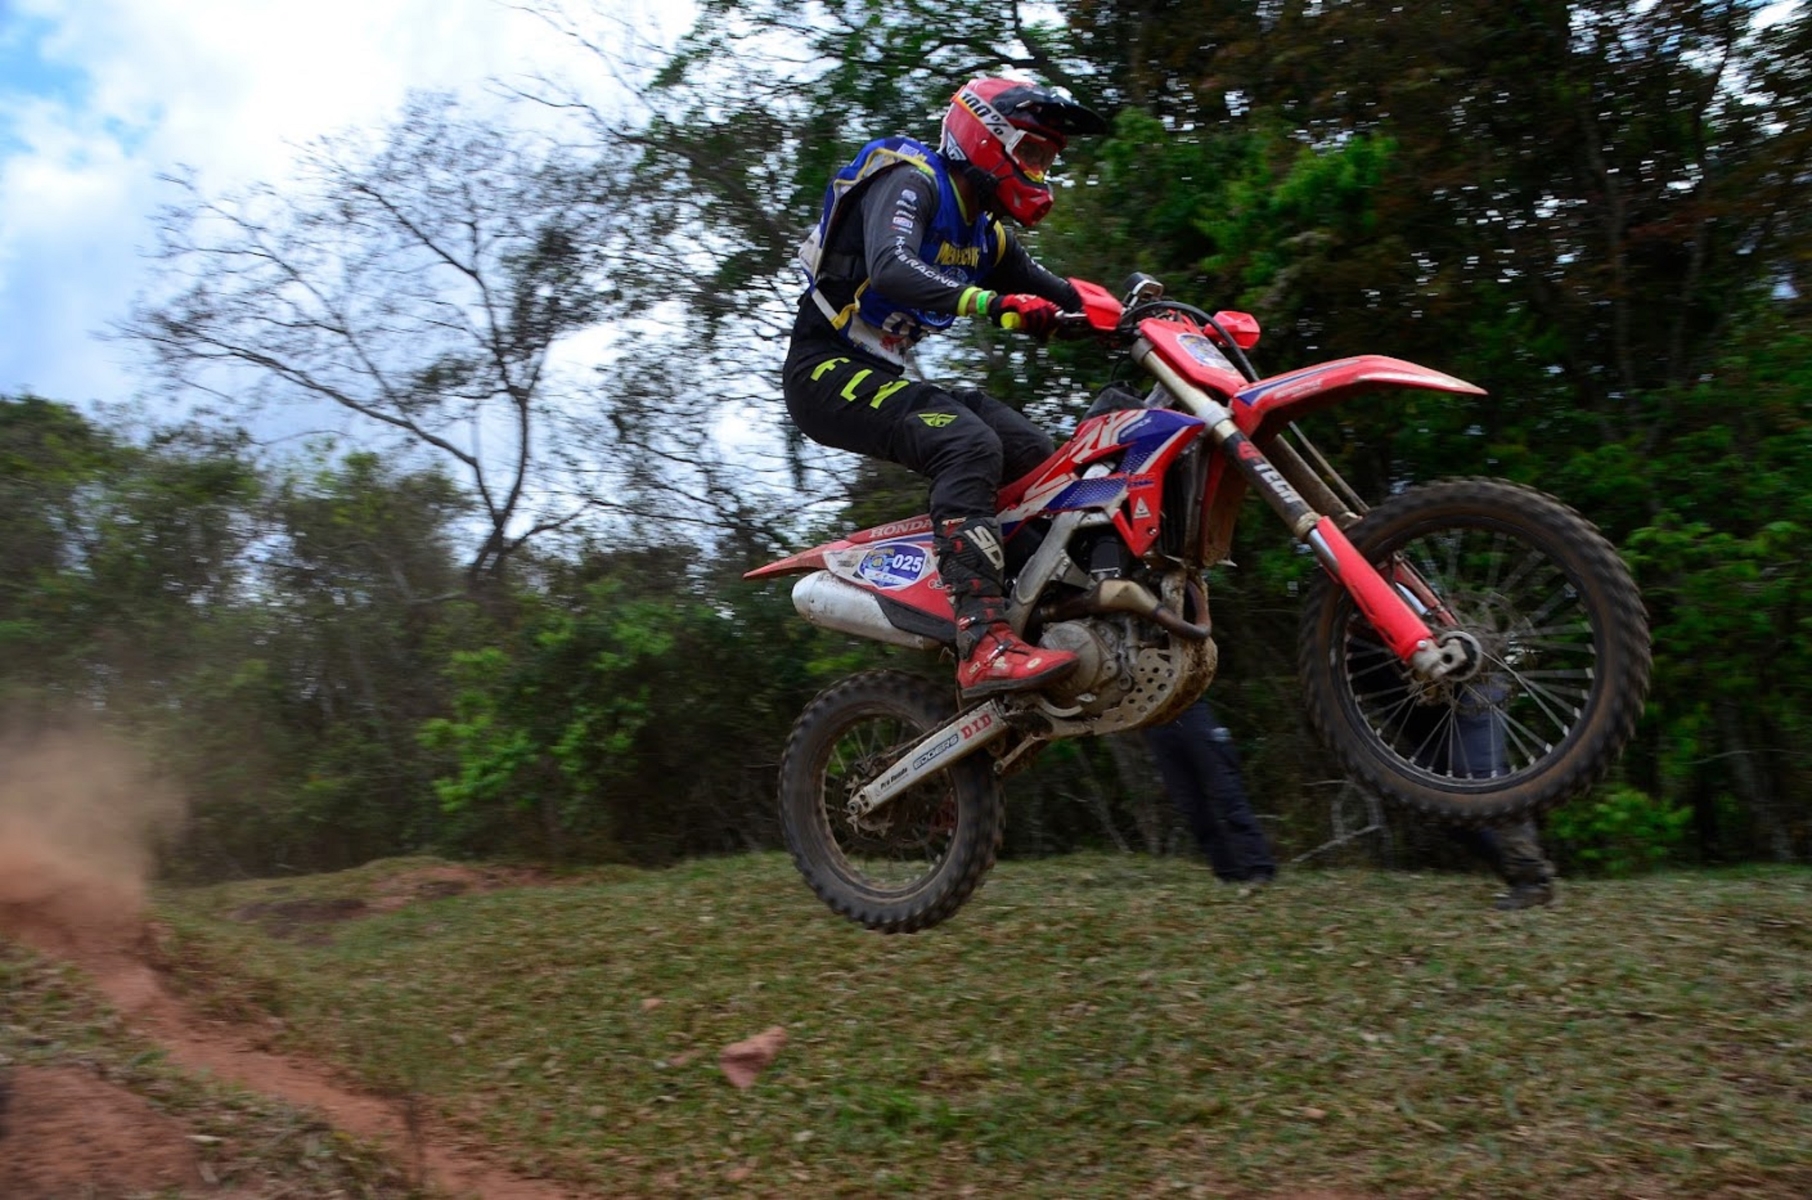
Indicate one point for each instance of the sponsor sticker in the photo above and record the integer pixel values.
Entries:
(926, 755)
(893, 565)
(898, 528)
(906, 212)
(1198, 347)
(983, 722)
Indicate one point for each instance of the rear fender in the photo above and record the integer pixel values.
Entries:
(814, 559)
(895, 564)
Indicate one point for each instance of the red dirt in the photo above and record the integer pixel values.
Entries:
(74, 824)
(125, 1145)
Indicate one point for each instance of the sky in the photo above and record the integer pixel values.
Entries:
(99, 98)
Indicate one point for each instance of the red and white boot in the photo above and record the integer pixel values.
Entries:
(1001, 661)
(994, 658)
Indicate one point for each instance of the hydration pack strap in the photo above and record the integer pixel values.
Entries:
(848, 322)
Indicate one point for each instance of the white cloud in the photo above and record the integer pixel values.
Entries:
(100, 97)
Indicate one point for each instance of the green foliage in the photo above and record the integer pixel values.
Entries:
(1287, 209)
(1621, 831)
(491, 761)
(1723, 559)
(636, 711)
(556, 729)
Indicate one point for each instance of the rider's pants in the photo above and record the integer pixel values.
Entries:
(966, 442)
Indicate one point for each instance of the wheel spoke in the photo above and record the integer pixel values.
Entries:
(901, 844)
(1538, 659)
(913, 861)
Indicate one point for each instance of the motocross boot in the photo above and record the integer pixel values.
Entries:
(993, 658)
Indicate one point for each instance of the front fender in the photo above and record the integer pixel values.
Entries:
(1262, 408)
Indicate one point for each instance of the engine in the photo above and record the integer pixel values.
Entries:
(1138, 661)
(1105, 650)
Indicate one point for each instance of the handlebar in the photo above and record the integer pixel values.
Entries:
(1117, 321)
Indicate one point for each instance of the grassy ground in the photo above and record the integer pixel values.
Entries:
(1105, 1026)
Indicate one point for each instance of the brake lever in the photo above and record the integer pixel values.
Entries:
(1073, 326)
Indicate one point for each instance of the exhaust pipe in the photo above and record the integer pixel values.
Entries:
(832, 603)
(1123, 595)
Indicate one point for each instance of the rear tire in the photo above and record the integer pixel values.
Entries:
(912, 863)
(1564, 669)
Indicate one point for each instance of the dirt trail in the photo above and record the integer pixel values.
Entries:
(75, 826)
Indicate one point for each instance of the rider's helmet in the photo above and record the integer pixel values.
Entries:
(1005, 133)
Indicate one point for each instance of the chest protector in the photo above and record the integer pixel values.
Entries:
(960, 249)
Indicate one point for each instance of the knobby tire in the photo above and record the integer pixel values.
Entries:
(845, 737)
(1567, 662)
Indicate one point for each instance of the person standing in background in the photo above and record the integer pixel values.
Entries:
(1200, 766)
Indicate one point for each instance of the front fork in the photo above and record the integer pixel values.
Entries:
(1393, 613)
(1394, 609)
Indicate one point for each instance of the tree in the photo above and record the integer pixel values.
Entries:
(1588, 195)
(424, 285)
(293, 730)
(638, 713)
(50, 457)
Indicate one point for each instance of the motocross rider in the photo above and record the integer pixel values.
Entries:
(909, 239)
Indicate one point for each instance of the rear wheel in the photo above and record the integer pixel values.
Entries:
(912, 862)
(1560, 643)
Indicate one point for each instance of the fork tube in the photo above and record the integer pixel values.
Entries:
(1327, 472)
(1303, 478)
(1403, 631)
(1284, 500)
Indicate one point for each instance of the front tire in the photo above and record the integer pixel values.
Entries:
(1563, 664)
(913, 862)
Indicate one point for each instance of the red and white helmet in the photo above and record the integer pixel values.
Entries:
(1008, 133)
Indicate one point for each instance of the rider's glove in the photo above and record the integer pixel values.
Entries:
(1033, 314)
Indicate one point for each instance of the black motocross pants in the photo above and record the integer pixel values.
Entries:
(966, 442)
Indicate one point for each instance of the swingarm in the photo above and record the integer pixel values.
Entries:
(936, 751)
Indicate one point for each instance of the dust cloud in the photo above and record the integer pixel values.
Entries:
(80, 820)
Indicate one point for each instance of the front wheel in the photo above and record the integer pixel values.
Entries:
(1560, 661)
(912, 862)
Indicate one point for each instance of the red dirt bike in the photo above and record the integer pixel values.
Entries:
(1473, 649)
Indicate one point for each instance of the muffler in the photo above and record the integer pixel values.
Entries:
(833, 603)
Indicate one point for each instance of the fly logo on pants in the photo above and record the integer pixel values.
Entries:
(853, 389)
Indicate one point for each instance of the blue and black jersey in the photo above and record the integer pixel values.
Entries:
(894, 252)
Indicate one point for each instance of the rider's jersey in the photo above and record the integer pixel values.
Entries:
(894, 252)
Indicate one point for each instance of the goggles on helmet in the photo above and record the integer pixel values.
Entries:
(1032, 154)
